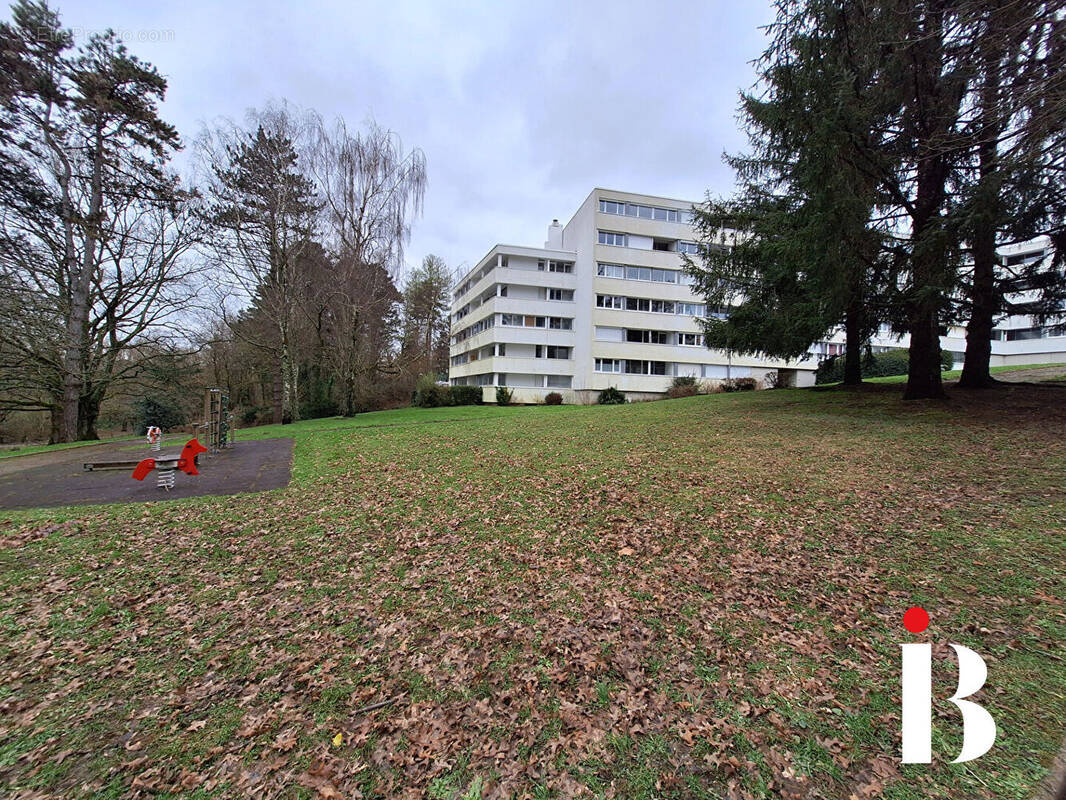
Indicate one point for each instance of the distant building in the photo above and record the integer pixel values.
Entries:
(1016, 338)
(603, 303)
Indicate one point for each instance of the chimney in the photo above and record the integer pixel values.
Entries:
(555, 236)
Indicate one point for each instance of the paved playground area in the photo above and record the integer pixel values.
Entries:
(58, 478)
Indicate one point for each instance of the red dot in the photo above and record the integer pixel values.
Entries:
(915, 619)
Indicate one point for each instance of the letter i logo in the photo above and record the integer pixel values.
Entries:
(978, 727)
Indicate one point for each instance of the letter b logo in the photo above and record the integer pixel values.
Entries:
(978, 727)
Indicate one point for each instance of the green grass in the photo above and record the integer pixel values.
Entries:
(690, 598)
(954, 374)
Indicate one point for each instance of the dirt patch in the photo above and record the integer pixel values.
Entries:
(59, 479)
(1056, 374)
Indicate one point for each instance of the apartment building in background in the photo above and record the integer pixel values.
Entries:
(603, 303)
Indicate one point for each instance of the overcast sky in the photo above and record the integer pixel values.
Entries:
(521, 109)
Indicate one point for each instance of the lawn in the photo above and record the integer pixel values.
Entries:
(689, 598)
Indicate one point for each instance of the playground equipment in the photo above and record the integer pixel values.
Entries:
(167, 465)
(219, 432)
(155, 438)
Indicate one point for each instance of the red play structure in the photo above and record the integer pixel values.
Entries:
(167, 465)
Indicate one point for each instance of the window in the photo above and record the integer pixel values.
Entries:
(560, 294)
(608, 365)
(610, 301)
(503, 290)
(1024, 258)
(605, 334)
(615, 239)
(691, 309)
(552, 351)
(634, 367)
(560, 266)
(645, 212)
(560, 323)
(501, 349)
(1021, 334)
(688, 247)
(559, 381)
(690, 339)
(647, 337)
(638, 273)
(724, 371)
(611, 270)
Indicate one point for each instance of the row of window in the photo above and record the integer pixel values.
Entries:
(645, 336)
(517, 381)
(626, 366)
(629, 366)
(543, 265)
(1025, 334)
(620, 303)
(547, 265)
(549, 294)
(475, 329)
(529, 321)
(643, 274)
(500, 349)
(645, 212)
(616, 239)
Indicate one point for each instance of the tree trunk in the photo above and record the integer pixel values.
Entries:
(934, 115)
(976, 373)
(923, 374)
(853, 345)
(78, 314)
(975, 368)
(55, 435)
(88, 414)
(279, 381)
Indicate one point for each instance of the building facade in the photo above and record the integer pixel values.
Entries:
(603, 303)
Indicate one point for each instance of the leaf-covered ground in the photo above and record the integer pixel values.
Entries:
(690, 598)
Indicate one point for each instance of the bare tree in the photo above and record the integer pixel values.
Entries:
(370, 190)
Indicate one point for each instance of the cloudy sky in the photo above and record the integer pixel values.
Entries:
(521, 109)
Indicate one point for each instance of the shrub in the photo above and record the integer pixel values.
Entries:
(503, 396)
(465, 395)
(683, 390)
(553, 399)
(250, 416)
(611, 397)
(161, 412)
(738, 385)
(875, 365)
(428, 394)
(773, 380)
(682, 381)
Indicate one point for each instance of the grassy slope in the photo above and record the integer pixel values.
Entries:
(657, 600)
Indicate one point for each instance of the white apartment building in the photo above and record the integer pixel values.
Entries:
(603, 303)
